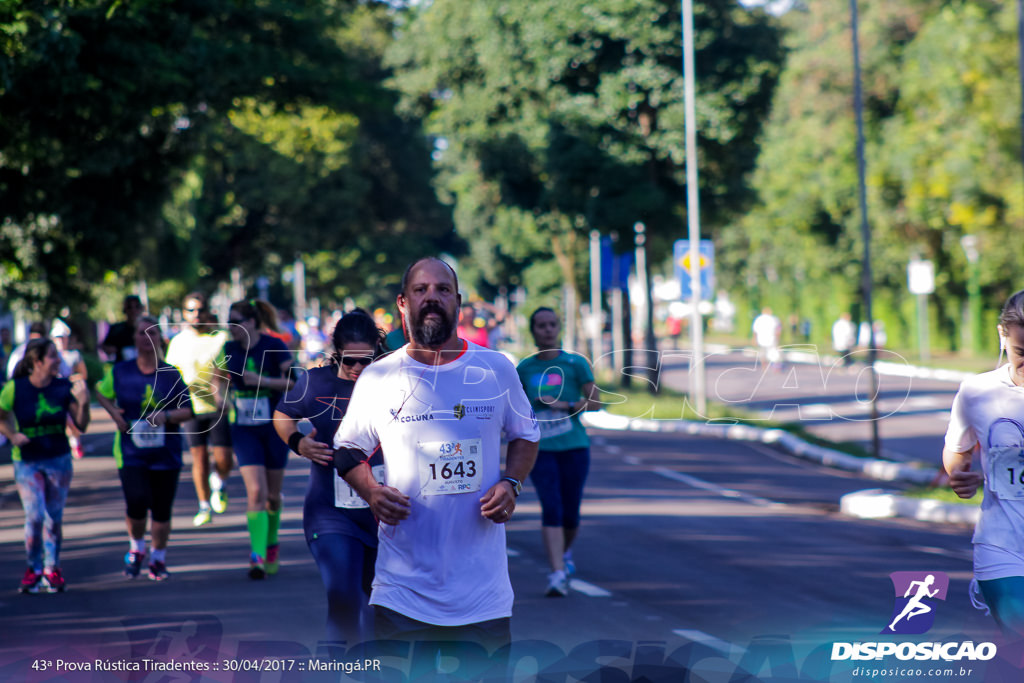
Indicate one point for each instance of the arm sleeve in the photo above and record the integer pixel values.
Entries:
(7, 397)
(960, 435)
(294, 402)
(357, 430)
(106, 385)
(583, 369)
(520, 421)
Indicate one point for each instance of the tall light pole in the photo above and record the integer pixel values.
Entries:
(644, 279)
(858, 105)
(698, 391)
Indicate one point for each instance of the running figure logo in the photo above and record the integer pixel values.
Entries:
(911, 613)
(43, 408)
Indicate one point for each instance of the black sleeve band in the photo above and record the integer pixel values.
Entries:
(347, 459)
(293, 441)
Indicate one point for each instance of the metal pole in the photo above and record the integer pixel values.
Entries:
(858, 105)
(643, 277)
(922, 326)
(697, 373)
(1020, 69)
(597, 324)
(569, 297)
(970, 246)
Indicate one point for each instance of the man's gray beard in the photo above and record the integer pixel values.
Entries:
(433, 333)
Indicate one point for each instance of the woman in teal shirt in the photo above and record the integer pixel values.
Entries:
(560, 386)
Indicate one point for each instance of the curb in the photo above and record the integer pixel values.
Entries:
(881, 504)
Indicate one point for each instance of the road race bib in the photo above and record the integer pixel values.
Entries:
(346, 497)
(553, 423)
(448, 467)
(250, 412)
(145, 435)
(1006, 472)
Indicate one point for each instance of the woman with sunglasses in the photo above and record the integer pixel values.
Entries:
(34, 407)
(147, 399)
(194, 351)
(340, 529)
(258, 365)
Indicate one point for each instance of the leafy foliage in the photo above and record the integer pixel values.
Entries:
(555, 118)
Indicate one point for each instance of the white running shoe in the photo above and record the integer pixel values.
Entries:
(558, 585)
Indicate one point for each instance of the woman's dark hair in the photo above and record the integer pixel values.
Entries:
(35, 351)
(355, 327)
(1013, 311)
(262, 312)
(542, 309)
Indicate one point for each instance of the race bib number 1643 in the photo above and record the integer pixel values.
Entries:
(448, 467)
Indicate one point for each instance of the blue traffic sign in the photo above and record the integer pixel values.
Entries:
(681, 255)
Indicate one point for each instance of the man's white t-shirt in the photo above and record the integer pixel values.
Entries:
(440, 430)
(989, 411)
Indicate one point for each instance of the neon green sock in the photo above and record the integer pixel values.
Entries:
(258, 527)
(274, 519)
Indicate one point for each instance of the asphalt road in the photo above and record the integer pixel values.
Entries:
(707, 556)
(829, 400)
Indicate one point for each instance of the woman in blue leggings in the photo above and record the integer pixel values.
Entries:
(340, 529)
(560, 386)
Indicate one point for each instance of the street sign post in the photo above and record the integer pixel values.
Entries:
(681, 255)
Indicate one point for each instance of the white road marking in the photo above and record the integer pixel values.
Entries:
(632, 460)
(705, 639)
(958, 554)
(588, 589)
(613, 450)
(708, 486)
(511, 552)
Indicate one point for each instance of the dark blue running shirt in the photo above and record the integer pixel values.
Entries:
(322, 397)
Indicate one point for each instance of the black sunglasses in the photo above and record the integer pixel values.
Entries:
(349, 361)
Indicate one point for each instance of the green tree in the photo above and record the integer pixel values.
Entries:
(554, 118)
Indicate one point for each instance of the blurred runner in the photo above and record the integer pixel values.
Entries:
(73, 368)
(560, 386)
(259, 366)
(314, 341)
(147, 399)
(119, 343)
(472, 327)
(34, 407)
(194, 351)
(340, 530)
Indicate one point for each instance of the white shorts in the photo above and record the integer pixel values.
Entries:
(993, 562)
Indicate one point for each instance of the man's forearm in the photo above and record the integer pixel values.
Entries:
(361, 480)
(519, 458)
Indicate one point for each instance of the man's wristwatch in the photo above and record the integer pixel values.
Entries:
(517, 486)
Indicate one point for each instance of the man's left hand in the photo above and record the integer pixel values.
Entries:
(498, 503)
